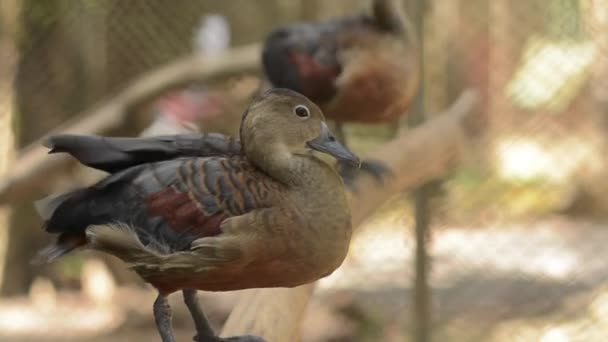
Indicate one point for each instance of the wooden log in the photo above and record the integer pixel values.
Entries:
(418, 156)
(33, 169)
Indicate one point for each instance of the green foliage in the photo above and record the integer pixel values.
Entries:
(70, 266)
(474, 194)
(42, 13)
(363, 138)
(562, 19)
(38, 16)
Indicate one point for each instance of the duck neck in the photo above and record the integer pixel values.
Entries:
(289, 168)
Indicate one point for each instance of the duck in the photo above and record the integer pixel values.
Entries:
(360, 68)
(274, 215)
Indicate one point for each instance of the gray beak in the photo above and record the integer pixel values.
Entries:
(327, 143)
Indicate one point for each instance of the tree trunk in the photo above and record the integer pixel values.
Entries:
(440, 31)
(9, 22)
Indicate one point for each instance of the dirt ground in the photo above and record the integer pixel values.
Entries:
(541, 280)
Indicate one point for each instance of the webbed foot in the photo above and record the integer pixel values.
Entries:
(244, 338)
(375, 168)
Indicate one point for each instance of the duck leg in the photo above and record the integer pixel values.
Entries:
(162, 316)
(204, 332)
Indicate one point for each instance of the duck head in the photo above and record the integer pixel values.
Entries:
(282, 123)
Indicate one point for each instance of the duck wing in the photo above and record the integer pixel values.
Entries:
(113, 154)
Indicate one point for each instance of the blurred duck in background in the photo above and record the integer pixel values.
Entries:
(360, 68)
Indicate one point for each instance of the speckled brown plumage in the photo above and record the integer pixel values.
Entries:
(273, 215)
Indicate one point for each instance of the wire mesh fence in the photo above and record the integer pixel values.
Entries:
(517, 244)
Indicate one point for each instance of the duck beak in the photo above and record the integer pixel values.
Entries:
(327, 143)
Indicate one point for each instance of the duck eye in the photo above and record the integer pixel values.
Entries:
(301, 111)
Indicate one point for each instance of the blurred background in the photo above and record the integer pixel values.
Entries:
(518, 235)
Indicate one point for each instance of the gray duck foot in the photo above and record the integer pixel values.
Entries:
(244, 338)
(375, 168)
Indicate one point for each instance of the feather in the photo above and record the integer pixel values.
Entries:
(65, 244)
(120, 240)
(113, 154)
(49, 254)
(46, 207)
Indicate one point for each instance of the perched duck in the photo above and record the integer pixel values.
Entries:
(275, 215)
(361, 68)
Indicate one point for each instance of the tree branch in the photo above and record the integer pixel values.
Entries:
(33, 169)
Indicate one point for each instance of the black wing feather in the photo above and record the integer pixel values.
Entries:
(113, 154)
(168, 204)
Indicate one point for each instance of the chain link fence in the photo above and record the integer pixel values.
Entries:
(517, 246)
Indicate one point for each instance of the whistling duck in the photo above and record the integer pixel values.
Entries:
(361, 68)
(275, 215)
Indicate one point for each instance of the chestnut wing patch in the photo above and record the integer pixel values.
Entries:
(183, 214)
(186, 199)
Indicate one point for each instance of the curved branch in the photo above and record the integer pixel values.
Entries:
(33, 169)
